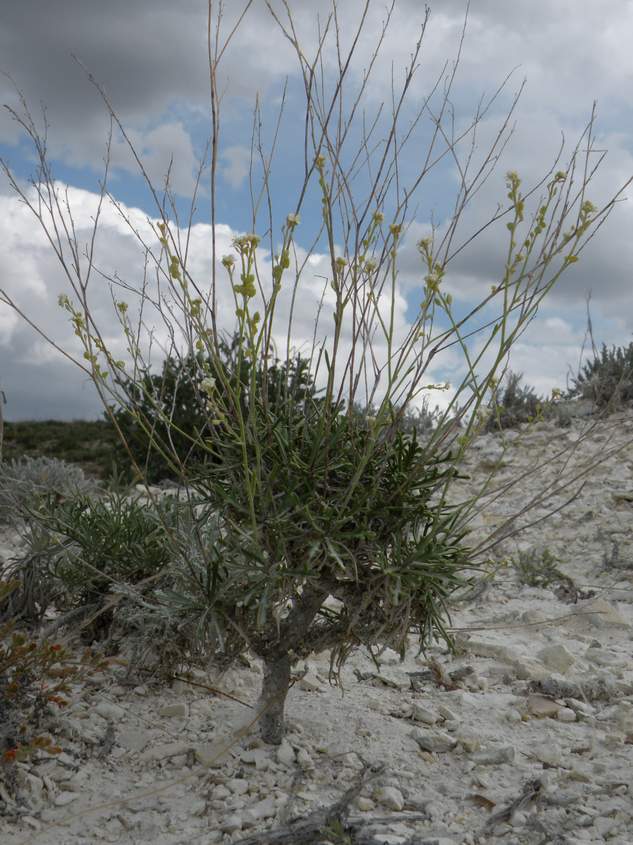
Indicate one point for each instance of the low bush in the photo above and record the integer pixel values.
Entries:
(28, 483)
(78, 549)
(513, 404)
(607, 379)
(165, 416)
(536, 568)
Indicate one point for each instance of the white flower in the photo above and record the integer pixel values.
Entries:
(207, 385)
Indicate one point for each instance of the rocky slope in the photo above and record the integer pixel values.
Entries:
(524, 735)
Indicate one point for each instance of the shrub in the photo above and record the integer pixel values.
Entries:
(536, 568)
(512, 404)
(607, 379)
(82, 547)
(312, 501)
(165, 417)
(26, 484)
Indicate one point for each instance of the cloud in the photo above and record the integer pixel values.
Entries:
(235, 164)
(152, 61)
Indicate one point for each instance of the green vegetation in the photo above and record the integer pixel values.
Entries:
(607, 379)
(89, 444)
(315, 522)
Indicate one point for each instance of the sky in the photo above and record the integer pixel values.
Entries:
(152, 61)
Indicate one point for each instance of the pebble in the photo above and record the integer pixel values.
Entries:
(364, 804)
(556, 658)
(311, 682)
(548, 753)
(238, 786)
(65, 798)
(285, 754)
(493, 756)
(423, 714)
(566, 714)
(265, 809)
(433, 740)
(542, 707)
(231, 823)
(390, 797)
(111, 712)
(177, 710)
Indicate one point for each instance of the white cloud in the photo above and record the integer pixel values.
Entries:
(119, 255)
(235, 164)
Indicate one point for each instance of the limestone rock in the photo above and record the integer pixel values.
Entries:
(556, 657)
(542, 707)
(493, 756)
(433, 740)
(390, 797)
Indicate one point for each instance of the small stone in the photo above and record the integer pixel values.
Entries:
(109, 711)
(265, 809)
(285, 754)
(311, 682)
(304, 760)
(257, 757)
(389, 657)
(238, 786)
(164, 751)
(493, 756)
(65, 798)
(548, 753)
(470, 742)
(423, 714)
(365, 805)
(231, 823)
(390, 797)
(213, 755)
(566, 714)
(177, 710)
(556, 658)
(433, 740)
(542, 707)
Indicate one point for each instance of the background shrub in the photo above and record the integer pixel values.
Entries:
(78, 549)
(167, 415)
(512, 404)
(607, 379)
(26, 484)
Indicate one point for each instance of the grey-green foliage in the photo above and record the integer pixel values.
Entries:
(607, 379)
(538, 568)
(25, 484)
(79, 549)
(512, 404)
